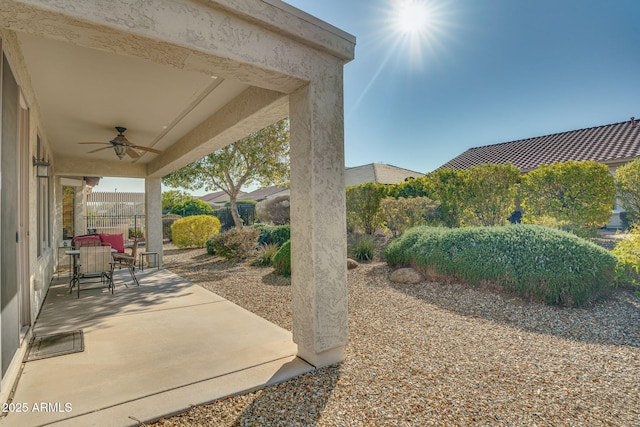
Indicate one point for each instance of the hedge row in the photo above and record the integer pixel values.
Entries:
(530, 261)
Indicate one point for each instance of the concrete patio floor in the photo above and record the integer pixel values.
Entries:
(150, 351)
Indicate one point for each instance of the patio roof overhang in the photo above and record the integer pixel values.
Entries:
(185, 77)
(188, 77)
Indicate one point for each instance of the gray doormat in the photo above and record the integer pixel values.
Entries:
(55, 345)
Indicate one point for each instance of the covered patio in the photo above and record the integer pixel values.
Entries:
(150, 351)
(185, 78)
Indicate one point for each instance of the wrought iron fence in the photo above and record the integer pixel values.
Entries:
(129, 225)
(113, 212)
(247, 214)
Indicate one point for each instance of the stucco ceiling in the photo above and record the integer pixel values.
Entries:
(84, 93)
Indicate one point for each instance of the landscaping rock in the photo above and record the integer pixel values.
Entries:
(351, 264)
(406, 275)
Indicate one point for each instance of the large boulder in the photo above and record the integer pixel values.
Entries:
(406, 275)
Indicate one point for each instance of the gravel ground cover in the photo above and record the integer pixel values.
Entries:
(436, 355)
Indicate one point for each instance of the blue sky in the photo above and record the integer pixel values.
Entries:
(468, 73)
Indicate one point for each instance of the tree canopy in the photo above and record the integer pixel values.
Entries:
(192, 207)
(261, 158)
(570, 194)
(491, 193)
(172, 198)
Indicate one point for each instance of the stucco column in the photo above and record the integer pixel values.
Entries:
(153, 214)
(318, 226)
(80, 211)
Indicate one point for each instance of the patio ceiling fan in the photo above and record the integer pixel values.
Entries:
(122, 146)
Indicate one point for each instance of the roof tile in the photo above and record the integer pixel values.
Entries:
(605, 144)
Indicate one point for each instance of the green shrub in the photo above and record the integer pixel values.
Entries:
(282, 260)
(277, 234)
(531, 261)
(401, 214)
(235, 244)
(211, 250)
(450, 191)
(135, 233)
(491, 194)
(192, 207)
(172, 198)
(412, 187)
(193, 231)
(364, 248)
(266, 252)
(627, 251)
(363, 206)
(628, 186)
(572, 194)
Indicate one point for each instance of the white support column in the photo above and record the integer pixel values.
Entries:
(153, 213)
(318, 225)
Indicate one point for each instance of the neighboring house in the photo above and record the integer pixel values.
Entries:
(217, 199)
(265, 193)
(379, 173)
(613, 145)
(220, 198)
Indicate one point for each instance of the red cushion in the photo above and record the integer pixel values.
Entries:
(91, 238)
(115, 240)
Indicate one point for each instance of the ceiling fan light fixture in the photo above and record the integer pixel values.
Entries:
(121, 150)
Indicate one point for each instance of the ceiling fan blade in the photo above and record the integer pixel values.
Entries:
(94, 143)
(133, 153)
(149, 149)
(99, 149)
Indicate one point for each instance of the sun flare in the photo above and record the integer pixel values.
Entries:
(415, 27)
(412, 17)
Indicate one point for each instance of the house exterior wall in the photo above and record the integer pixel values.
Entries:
(40, 266)
(359, 174)
(378, 172)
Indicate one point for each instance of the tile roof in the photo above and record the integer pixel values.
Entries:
(211, 196)
(378, 172)
(617, 142)
(264, 193)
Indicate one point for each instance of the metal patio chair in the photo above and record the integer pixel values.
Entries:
(95, 265)
(128, 260)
